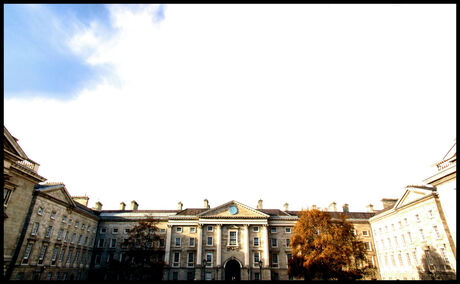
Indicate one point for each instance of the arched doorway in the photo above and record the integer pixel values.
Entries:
(232, 270)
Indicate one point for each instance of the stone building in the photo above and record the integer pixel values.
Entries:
(20, 174)
(230, 241)
(59, 237)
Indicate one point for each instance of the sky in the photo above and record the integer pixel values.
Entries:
(307, 104)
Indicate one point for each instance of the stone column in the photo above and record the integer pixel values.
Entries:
(168, 244)
(219, 245)
(266, 259)
(246, 245)
(198, 247)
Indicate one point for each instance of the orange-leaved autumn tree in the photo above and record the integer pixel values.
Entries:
(323, 248)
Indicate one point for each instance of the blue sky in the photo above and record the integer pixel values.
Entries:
(36, 59)
(302, 104)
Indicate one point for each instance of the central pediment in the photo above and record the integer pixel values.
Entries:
(233, 209)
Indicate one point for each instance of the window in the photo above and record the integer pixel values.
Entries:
(162, 230)
(403, 239)
(208, 276)
(49, 230)
(400, 224)
(89, 229)
(417, 217)
(192, 230)
(368, 246)
(113, 243)
(126, 231)
(103, 230)
(288, 256)
(49, 276)
(273, 230)
(176, 259)
(54, 257)
(177, 242)
(115, 231)
(392, 227)
(6, 195)
(64, 219)
(422, 236)
(175, 275)
(386, 229)
(354, 232)
(414, 255)
(406, 222)
(35, 229)
(233, 235)
(162, 242)
(66, 237)
(274, 243)
(69, 256)
(208, 259)
(255, 229)
(396, 241)
(77, 254)
(53, 215)
(288, 230)
(179, 229)
(288, 242)
(83, 226)
(256, 242)
(27, 253)
(365, 233)
(275, 260)
(70, 222)
(86, 241)
(256, 258)
(209, 241)
(100, 244)
(408, 259)
(192, 242)
(383, 243)
(409, 236)
(256, 276)
(77, 223)
(61, 257)
(74, 236)
(210, 228)
(435, 228)
(430, 213)
(393, 260)
(400, 260)
(79, 240)
(444, 256)
(190, 259)
(190, 275)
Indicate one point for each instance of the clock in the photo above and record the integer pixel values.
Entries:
(233, 210)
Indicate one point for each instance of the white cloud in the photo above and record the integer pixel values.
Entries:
(303, 104)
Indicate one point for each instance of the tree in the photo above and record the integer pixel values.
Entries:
(142, 257)
(323, 248)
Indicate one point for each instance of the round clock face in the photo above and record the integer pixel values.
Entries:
(233, 210)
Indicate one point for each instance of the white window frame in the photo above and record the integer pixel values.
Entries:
(254, 241)
(35, 229)
(53, 215)
(255, 262)
(210, 228)
(288, 230)
(190, 242)
(77, 223)
(49, 232)
(207, 241)
(365, 233)
(64, 219)
(236, 238)
(209, 263)
(176, 264)
(178, 229)
(54, 256)
(103, 230)
(40, 210)
(273, 230)
(190, 263)
(256, 229)
(276, 243)
(180, 242)
(275, 264)
(27, 253)
(192, 230)
(115, 231)
(113, 243)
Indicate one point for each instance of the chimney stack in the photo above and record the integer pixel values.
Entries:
(345, 208)
(122, 206)
(206, 204)
(83, 200)
(98, 206)
(259, 204)
(179, 206)
(286, 206)
(370, 208)
(388, 202)
(333, 207)
(313, 206)
(134, 205)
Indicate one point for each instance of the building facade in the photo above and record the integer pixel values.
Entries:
(59, 237)
(230, 241)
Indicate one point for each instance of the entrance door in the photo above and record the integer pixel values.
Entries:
(232, 270)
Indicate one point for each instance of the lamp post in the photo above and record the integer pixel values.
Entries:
(203, 269)
(260, 267)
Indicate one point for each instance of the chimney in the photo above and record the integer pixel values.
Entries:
(83, 200)
(206, 204)
(134, 205)
(370, 208)
(333, 207)
(313, 206)
(98, 206)
(259, 204)
(122, 206)
(179, 206)
(286, 206)
(345, 208)
(388, 202)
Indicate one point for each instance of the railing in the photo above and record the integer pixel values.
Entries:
(29, 165)
(444, 164)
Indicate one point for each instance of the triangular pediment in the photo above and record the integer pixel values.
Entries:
(60, 193)
(227, 210)
(10, 143)
(411, 195)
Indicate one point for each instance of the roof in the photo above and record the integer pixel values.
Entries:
(351, 215)
(273, 212)
(192, 211)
